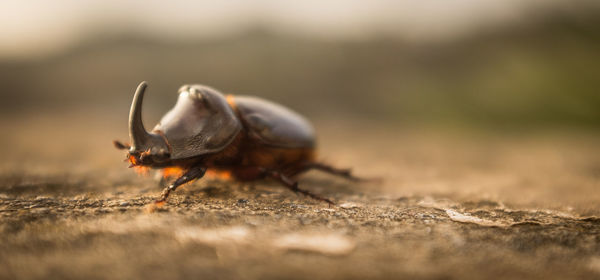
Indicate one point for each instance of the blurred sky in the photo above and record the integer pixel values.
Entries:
(37, 27)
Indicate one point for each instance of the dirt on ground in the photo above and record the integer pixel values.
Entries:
(450, 206)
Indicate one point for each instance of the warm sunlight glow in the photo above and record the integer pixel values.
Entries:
(172, 172)
(218, 174)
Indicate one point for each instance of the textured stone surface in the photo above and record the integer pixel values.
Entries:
(451, 207)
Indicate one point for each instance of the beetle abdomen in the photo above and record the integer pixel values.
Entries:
(288, 161)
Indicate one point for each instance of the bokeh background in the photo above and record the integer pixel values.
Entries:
(490, 65)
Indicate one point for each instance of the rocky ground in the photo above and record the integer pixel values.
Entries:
(451, 206)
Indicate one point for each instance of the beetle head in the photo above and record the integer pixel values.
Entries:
(146, 148)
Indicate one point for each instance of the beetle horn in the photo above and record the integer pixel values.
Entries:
(137, 133)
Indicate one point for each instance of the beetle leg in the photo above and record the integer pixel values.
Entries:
(293, 185)
(193, 173)
(345, 173)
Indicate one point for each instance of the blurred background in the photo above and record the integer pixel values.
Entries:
(510, 64)
(476, 97)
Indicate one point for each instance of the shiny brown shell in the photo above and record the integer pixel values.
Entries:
(201, 122)
(273, 124)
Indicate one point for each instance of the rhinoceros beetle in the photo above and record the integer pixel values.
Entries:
(248, 137)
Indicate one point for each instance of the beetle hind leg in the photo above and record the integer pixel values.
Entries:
(344, 173)
(293, 185)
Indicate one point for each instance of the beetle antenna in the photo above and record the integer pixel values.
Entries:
(121, 146)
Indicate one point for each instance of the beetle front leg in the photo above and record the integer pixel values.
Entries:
(194, 173)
